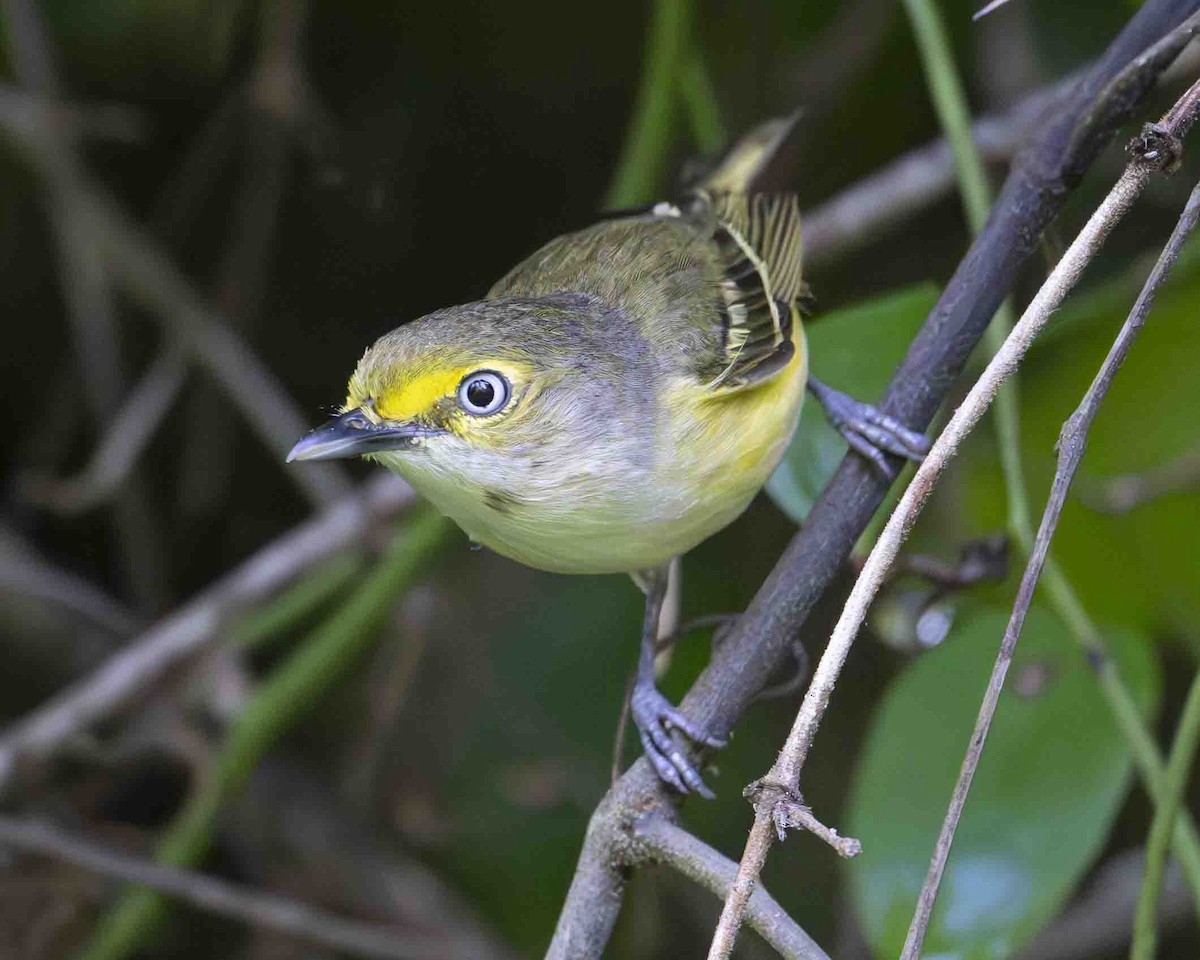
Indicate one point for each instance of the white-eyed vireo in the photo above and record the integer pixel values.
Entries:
(620, 396)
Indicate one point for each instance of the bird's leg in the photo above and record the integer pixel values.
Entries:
(655, 715)
(867, 430)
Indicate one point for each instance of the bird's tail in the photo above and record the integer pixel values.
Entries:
(751, 164)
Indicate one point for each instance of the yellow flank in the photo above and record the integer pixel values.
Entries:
(728, 443)
(409, 398)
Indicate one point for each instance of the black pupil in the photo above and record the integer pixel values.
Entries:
(480, 393)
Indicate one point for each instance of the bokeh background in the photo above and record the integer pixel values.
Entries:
(321, 172)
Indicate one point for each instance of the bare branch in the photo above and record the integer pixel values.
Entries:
(149, 276)
(1071, 445)
(785, 773)
(267, 910)
(127, 434)
(670, 844)
(89, 295)
(854, 217)
(320, 838)
(1067, 143)
(23, 570)
(195, 627)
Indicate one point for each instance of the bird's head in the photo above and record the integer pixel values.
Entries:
(474, 391)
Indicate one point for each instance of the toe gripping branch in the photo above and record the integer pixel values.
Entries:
(869, 431)
(655, 716)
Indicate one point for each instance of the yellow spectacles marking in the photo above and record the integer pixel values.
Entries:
(411, 398)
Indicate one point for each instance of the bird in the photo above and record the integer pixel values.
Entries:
(618, 397)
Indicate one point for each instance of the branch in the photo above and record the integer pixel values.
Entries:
(283, 915)
(197, 626)
(287, 694)
(125, 437)
(148, 275)
(1035, 191)
(669, 843)
(24, 570)
(1071, 445)
(785, 773)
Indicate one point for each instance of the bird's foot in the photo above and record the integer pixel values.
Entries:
(868, 430)
(656, 717)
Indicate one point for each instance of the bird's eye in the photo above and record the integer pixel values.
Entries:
(483, 392)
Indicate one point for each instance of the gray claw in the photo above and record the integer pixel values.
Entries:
(655, 716)
(869, 431)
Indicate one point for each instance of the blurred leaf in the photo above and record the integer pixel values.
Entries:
(857, 350)
(1052, 779)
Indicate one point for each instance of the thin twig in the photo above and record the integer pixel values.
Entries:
(288, 693)
(196, 626)
(669, 843)
(149, 276)
(1071, 445)
(857, 215)
(1059, 591)
(126, 436)
(1066, 144)
(785, 773)
(24, 570)
(88, 291)
(281, 914)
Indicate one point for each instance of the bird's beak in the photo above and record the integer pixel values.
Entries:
(351, 434)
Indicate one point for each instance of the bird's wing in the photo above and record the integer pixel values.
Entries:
(758, 236)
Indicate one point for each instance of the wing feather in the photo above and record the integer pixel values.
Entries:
(759, 239)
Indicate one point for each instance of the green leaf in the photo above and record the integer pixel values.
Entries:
(856, 350)
(1053, 775)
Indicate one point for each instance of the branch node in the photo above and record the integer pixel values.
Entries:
(788, 811)
(1158, 147)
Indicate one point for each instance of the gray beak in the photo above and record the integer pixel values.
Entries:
(351, 434)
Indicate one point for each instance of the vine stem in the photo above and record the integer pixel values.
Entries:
(785, 773)
(950, 103)
(1071, 445)
(1179, 765)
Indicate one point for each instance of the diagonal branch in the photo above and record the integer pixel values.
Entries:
(669, 843)
(1157, 149)
(1072, 442)
(196, 626)
(1069, 142)
(149, 276)
(281, 914)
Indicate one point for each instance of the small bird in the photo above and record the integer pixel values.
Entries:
(617, 398)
